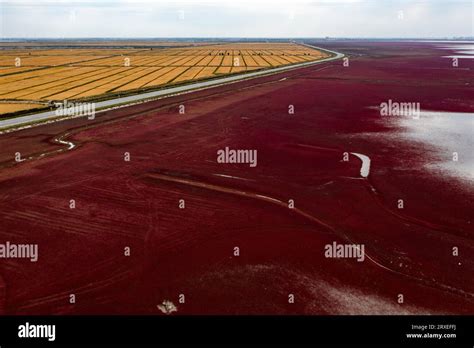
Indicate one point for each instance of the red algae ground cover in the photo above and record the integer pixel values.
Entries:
(149, 213)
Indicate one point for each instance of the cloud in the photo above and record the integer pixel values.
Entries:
(230, 18)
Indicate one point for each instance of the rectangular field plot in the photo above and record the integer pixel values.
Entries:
(14, 107)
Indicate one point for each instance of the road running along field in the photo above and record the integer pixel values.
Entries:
(32, 78)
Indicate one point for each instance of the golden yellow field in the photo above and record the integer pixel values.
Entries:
(33, 77)
(11, 107)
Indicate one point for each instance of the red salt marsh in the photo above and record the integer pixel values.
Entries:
(135, 204)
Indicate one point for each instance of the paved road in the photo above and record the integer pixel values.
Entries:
(47, 115)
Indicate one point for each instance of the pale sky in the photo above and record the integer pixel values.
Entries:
(236, 18)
